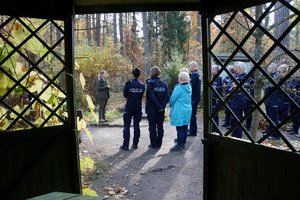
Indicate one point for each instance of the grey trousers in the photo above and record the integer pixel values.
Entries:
(102, 108)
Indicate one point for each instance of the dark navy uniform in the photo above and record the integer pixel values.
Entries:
(284, 106)
(249, 86)
(196, 96)
(133, 92)
(272, 106)
(227, 82)
(156, 100)
(217, 85)
(237, 105)
(294, 86)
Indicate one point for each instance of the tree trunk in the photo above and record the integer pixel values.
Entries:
(97, 36)
(115, 30)
(121, 33)
(198, 28)
(146, 45)
(88, 29)
(297, 35)
(281, 22)
(258, 79)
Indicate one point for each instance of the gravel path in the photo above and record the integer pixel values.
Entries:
(147, 174)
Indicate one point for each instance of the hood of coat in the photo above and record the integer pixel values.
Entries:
(186, 86)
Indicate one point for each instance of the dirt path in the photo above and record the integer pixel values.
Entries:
(147, 174)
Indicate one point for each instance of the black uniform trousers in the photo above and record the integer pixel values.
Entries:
(156, 130)
(137, 116)
(193, 124)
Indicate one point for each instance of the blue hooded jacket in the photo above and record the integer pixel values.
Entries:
(181, 105)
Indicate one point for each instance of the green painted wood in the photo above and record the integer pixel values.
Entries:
(86, 198)
(55, 196)
(226, 173)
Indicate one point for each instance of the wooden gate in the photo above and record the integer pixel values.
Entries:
(262, 163)
(38, 141)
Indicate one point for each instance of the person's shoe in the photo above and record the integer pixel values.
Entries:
(297, 135)
(105, 120)
(224, 125)
(124, 148)
(193, 135)
(274, 138)
(101, 121)
(175, 140)
(292, 133)
(134, 146)
(177, 148)
(152, 147)
(289, 130)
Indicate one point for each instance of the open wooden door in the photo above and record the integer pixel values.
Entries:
(38, 141)
(243, 161)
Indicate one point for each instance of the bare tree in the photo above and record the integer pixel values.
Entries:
(115, 30)
(281, 22)
(146, 44)
(88, 28)
(121, 33)
(97, 35)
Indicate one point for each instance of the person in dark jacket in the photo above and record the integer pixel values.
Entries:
(217, 85)
(133, 92)
(156, 100)
(227, 84)
(102, 94)
(273, 101)
(196, 95)
(238, 99)
(249, 86)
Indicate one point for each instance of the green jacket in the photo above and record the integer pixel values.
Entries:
(102, 89)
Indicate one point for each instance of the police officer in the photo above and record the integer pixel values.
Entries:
(238, 100)
(133, 92)
(284, 104)
(196, 92)
(249, 86)
(227, 83)
(217, 85)
(272, 102)
(157, 97)
(295, 94)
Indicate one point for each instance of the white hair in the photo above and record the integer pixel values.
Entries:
(184, 76)
(184, 69)
(193, 65)
(215, 67)
(242, 66)
(272, 68)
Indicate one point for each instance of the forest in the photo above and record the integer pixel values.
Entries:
(33, 66)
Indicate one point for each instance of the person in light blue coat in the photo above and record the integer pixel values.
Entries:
(181, 109)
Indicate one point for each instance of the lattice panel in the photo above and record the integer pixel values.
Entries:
(32, 73)
(261, 45)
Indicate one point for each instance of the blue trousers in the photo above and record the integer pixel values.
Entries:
(137, 116)
(181, 135)
(193, 124)
(239, 114)
(272, 112)
(247, 108)
(156, 129)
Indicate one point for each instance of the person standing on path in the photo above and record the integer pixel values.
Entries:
(215, 95)
(181, 109)
(196, 95)
(133, 92)
(156, 100)
(102, 94)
